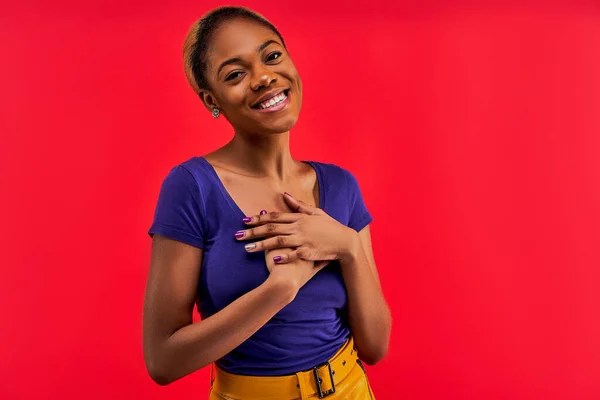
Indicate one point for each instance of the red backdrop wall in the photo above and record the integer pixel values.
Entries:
(473, 131)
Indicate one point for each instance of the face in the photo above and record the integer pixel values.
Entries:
(252, 79)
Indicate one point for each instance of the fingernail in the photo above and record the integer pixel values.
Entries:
(250, 246)
(287, 194)
(247, 219)
(263, 212)
(239, 234)
(277, 258)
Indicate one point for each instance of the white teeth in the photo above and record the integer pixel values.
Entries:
(275, 100)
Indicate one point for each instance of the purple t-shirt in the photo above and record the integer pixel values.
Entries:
(194, 207)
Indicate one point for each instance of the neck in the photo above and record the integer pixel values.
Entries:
(263, 156)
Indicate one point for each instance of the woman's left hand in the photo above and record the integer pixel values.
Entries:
(315, 235)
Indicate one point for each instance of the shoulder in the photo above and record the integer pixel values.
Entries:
(191, 180)
(197, 167)
(334, 174)
(192, 172)
(343, 196)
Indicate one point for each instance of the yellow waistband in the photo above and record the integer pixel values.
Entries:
(300, 385)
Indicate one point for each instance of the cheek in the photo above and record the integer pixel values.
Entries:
(231, 100)
(298, 81)
(299, 92)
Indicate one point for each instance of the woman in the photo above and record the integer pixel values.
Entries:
(290, 299)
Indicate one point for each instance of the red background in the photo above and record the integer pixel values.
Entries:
(473, 131)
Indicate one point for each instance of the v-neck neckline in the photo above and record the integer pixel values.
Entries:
(238, 210)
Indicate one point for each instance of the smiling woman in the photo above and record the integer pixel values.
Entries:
(290, 299)
(233, 50)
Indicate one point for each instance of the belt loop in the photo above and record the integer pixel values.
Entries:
(304, 390)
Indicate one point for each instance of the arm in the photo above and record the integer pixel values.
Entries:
(369, 315)
(316, 236)
(173, 345)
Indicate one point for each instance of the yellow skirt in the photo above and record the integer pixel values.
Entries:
(342, 377)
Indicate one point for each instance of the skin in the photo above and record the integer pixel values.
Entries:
(256, 168)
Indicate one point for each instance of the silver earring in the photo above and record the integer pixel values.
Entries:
(216, 112)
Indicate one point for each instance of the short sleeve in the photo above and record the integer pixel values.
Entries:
(360, 217)
(179, 209)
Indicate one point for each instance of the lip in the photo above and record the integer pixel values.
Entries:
(268, 95)
(278, 107)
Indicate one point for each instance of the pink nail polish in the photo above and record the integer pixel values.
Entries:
(247, 219)
(263, 212)
(287, 194)
(239, 234)
(277, 258)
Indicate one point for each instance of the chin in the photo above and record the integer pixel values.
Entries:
(276, 126)
(281, 126)
(282, 123)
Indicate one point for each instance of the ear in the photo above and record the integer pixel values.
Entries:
(208, 99)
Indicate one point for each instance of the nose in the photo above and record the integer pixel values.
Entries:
(263, 77)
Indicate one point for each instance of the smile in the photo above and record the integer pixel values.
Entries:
(275, 103)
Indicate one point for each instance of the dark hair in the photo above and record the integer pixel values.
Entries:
(197, 41)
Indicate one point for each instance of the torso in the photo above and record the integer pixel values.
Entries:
(202, 212)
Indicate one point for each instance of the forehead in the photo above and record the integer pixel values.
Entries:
(238, 38)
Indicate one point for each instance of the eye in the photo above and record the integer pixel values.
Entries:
(233, 75)
(274, 56)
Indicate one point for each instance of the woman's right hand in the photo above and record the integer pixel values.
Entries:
(292, 275)
(295, 273)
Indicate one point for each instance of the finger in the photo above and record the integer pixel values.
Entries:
(274, 216)
(286, 258)
(296, 205)
(276, 242)
(299, 253)
(301, 207)
(267, 230)
(295, 255)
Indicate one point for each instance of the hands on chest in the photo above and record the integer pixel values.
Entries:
(314, 235)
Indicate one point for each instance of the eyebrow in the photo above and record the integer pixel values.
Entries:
(235, 60)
